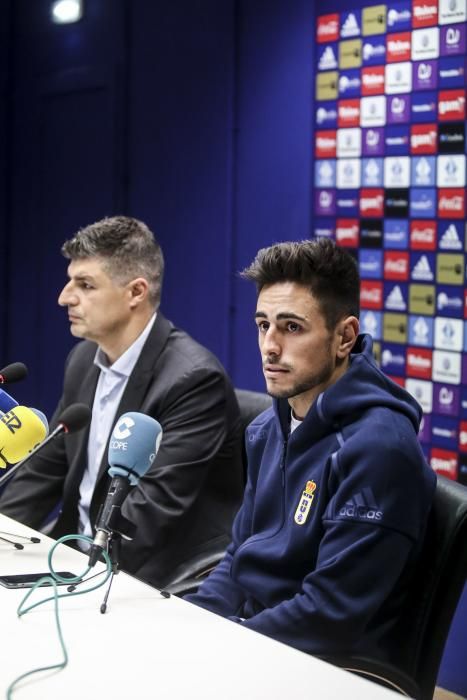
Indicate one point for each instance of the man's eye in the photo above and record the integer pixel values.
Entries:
(263, 326)
(293, 327)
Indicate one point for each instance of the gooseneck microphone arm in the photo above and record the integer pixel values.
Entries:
(73, 418)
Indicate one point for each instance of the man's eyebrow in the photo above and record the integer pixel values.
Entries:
(82, 277)
(283, 315)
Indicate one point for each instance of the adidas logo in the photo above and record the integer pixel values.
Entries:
(422, 270)
(350, 27)
(395, 300)
(328, 59)
(450, 239)
(362, 506)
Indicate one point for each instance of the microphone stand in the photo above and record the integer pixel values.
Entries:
(114, 546)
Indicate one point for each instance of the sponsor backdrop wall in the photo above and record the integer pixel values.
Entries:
(390, 185)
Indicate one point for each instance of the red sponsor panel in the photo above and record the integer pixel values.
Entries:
(423, 234)
(328, 28)
(397, 380)
(423, 139)
(347, 232)
(424, 13)
(372, 79)
(398, 47)
(419, 362)
(348, 113)
(396, 265)
(463, 436)
(371, 202)
(371, 294)
(451, 203)
(444, 462)
(451, 105)
(325, 144)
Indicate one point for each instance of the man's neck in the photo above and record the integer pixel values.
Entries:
(115, 347)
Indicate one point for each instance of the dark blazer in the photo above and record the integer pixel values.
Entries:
(189, 496)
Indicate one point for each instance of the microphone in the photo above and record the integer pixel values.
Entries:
(7, 402)
(133, 447)
(73, 418)
(13, 373)
(21, 429)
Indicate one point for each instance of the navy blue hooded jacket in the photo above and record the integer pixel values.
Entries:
(332, 520)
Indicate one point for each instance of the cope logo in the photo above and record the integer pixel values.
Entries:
(121, 433)
(328, 28)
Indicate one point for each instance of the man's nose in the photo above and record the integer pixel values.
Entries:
(67, 297)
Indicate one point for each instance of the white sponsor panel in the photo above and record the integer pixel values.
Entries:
(446, 367)
(373, 111)
(452, 11)
(348, 173)
(449, 333)
(425, 44)
(422, 391)
(398, 77)
(397, 171)
(349, 143)
(451, 171)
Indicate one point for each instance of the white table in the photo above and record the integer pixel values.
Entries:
(147, 646)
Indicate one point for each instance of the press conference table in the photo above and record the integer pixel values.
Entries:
(147, 646)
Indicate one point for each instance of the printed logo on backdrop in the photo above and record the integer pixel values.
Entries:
(325, 173)
(393, 359)
(326, 115)
(326, 144)
(451, 203)
(370, 263)
(327, 57)
(324, 228)
(424, 13)
(373, 111)
(398, 47)
(371, 233)
(449, 269)
(348, 173)
(348, 113)
(451, 171)
(451, 105)
(396, 297)
(349, 143)
(446, 399)
(396, 233)
(349, 83)
(446, 367)
(350, 53)
(371, 294)
(444, 462)
(396, 140)
(373, 142)
(326, 85)
(398, 109)
(463, 407)
(451, 72)
(425, 44)
(395, 328)
(444, 432)
(351, 24)
(396, 203)
(425, 75)
(422, 267)
(463, 446)
(421, 299)
(450, 301)
(396, 265)
(452, 11)
(423, 171)
(374, 20)
(374, 51)
(371, 202)
(451, 235)
(422, 235)
(452, 40)
(397, 171)
(422, 391)
(451, 138)
(419, 362)
(424, 107)
(423, 138)
(328, 28)
(347, 203)
(371, 322)
(325, 202)
(423, 202)
(398, 77)
(372, 80)
(347, 232)
(421, 329)
(449, 333)
(399, 16)
(372, 172)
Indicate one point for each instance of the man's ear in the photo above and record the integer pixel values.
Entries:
(347, 331)
(139, 290)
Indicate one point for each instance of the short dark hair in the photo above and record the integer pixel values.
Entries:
(127, 247)
(330, 273)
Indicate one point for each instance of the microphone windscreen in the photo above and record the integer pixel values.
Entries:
(133, 445)
(21, 429)
(75, 417)
(7, 402)
(13, 373)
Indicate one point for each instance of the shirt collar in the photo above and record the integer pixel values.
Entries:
(126, 362)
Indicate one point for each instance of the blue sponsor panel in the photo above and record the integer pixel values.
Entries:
(325, 173)
(422, 266)
(399, 16)
(372, 172)
(350, 24)
(465, 336)
(451, 72)
(421, 331)
(424, 107)
(371, 322)
(347, 203)
(396, 234)
(324, 228)
(327, 57)
(450, 301)
(423, 203)
(393, 359)
(451, 235)
(349, 83)
(397, 140)
(444, 432)
(374, 50)
(326, 115)
(370, 263)
(423, 171)
(396, 296)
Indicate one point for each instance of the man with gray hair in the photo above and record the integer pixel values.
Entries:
(134, 359)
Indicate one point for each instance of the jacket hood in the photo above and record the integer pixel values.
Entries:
(362, 386)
